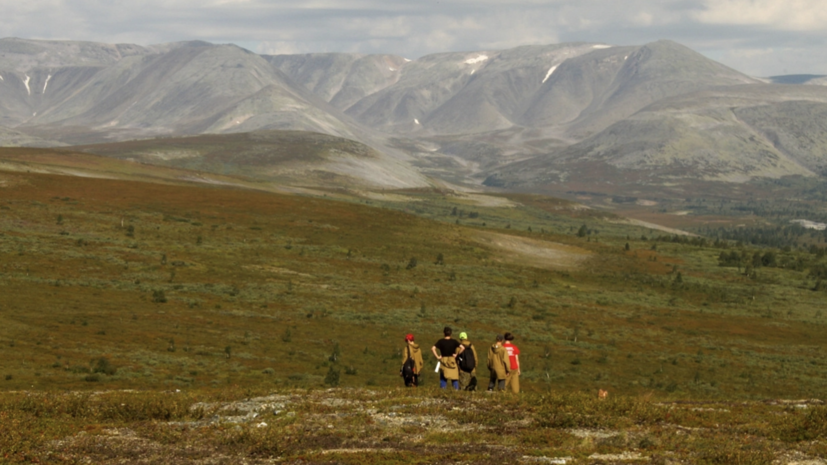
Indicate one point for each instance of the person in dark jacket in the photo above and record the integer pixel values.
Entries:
(468, 378)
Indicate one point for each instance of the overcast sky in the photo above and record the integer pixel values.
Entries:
(758, 37)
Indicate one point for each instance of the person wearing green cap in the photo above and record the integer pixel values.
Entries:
(467, 362)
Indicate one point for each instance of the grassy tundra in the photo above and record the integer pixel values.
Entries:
(229, 294)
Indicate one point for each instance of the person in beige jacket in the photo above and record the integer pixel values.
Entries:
(446, 350)
(414, 353)
(498, 365)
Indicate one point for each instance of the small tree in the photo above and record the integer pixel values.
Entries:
(337, 352)
(756, 260)
(582, 231)
(440, 259)
(411, 264)
(332, 376)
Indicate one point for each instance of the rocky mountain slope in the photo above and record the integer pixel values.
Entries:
(187, 88)
(519, 118)
(569, 89)
(730, 134)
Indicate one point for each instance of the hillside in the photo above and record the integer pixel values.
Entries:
(730, 134)
(225, 311)
(280, 158)
(162, 278)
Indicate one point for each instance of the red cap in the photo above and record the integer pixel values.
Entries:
(409, 337)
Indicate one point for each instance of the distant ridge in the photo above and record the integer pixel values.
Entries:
(520, 118)
(795, 78)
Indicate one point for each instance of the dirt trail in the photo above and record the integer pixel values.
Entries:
(655, 226)
(533, 252)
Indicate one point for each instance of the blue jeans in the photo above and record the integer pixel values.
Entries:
(443, 383)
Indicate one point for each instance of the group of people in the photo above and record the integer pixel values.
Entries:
(457, 362)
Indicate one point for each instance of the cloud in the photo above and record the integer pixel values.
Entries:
(725, 29)
(793, 15)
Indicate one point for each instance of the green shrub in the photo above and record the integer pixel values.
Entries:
(802, 426)
(584, 411)
(733, 453)
(159, 297)
(103, 366)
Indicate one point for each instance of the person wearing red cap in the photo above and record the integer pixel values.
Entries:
(412, 362)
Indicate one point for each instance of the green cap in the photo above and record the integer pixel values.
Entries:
(463, 335)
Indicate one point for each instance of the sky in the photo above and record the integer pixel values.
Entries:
(758, 37)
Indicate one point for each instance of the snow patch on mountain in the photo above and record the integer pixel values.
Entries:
(1, 78)
(479, 59)
(550, 71)
(811, 224)
(416, 121)
(45, 84)
(601, 46)
(26, 83)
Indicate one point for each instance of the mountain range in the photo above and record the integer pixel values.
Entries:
(524, 118)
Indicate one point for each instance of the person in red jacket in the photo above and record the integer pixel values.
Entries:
(512, 382)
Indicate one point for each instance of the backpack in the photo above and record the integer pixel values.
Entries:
(408, 367)
(466, 359)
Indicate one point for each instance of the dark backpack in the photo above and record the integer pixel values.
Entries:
(466, 360)
(408, 367)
